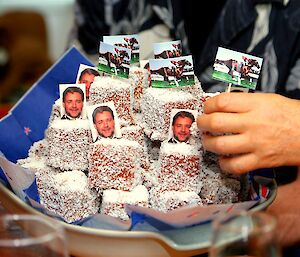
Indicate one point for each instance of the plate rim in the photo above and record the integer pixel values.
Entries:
(6, 194)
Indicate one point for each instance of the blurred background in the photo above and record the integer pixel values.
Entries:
(33, 35)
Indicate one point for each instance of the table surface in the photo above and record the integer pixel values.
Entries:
(3, 211)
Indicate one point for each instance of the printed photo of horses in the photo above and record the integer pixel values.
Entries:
(128, 41)
(172, 72)
(237, 68)
(165, 50)
(114, 60)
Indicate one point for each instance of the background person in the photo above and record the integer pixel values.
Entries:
(104, 122)
(181, 127)
(258, 28)
(154, 21)
(73, 99)
(87, 77)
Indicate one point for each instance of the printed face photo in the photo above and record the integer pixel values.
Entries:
(180, 125)
(103, 121)
(181, 128)
(86, 75)
(72, 100)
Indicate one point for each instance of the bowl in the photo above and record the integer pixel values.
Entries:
(92, 242)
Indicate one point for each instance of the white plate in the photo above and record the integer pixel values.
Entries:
(89, 242)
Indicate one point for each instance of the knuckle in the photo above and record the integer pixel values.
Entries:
(243, 166)
(219, 144)
(206, 142)
(235, 165)
(238, 168)
(222, 101)
(206, 146)
(215, 123)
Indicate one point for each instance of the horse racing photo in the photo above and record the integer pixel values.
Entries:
(166, 50)
(237, 68)
(114, 60)
(172, 72)
(128, 41)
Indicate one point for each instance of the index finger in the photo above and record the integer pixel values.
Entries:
(228, 102)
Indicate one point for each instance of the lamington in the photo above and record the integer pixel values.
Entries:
(166, 201)
(55, 111)
(136, 133)
(114, 164)
(39, 149)
(157, 104)
(150, 175)
(68, 141)
(220, 190)
(114, 201)
(68, 194)
(37, 166)
(180, 167)
(106, 89)
(139, 81)
(196, 90)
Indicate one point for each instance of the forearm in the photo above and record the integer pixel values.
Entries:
(286, 209)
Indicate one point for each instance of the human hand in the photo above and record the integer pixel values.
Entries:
(263, 130)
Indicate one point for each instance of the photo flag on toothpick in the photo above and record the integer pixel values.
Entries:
(114, 60)
(240, 70)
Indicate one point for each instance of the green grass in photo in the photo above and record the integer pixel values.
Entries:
(104, 68)
(223, 77)
(122, 73)
(227, 78)
(111, 70)
(246, 83)
(172, 84)
(187, 82)
(135, 58)
(160, 84)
